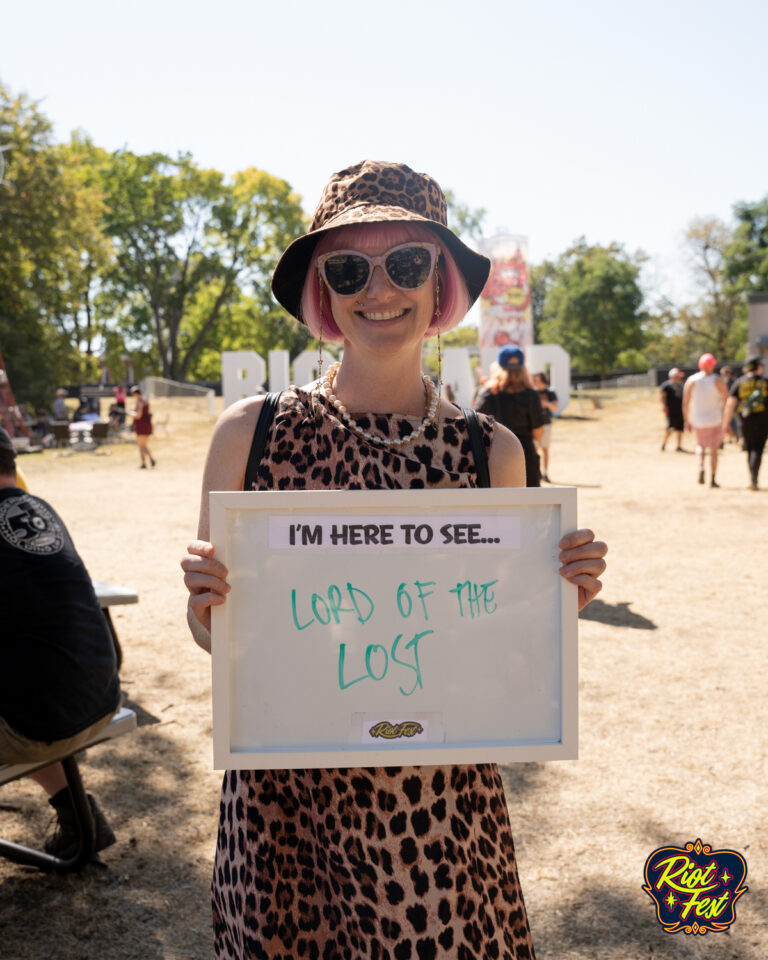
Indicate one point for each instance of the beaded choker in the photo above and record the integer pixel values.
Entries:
(325, 389)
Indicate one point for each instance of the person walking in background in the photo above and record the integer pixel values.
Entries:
(671, 392)
(749, 400)
(514, 403)
(119, 404)
(704, 397)
(548, 407)
(142, 426)
(734, 431)
(59, 409)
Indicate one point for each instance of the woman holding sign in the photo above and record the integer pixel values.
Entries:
(376, 862)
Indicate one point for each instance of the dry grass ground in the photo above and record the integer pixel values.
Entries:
(673, 708)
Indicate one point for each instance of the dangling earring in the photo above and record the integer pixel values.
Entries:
(439, 345)
(322, 320)
(321, 298)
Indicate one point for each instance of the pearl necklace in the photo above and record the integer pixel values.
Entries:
(325, 389)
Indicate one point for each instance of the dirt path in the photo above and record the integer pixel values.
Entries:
(673, 708)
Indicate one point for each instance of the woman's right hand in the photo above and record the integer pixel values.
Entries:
(205, 578)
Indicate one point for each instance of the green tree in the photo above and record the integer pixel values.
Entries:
(248, 324)
(592, 307)
(715, 323)
(463, 336)
(49, 243)
(541, 276)
(189, 246)
(667, 339)
(463, 220)
(746, 258)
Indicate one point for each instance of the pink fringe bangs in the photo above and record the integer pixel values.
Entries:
(454, 299)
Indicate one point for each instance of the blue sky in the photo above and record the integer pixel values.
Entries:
(618, 121)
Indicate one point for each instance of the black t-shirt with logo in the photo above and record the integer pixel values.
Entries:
(58, 673)
(751, 391)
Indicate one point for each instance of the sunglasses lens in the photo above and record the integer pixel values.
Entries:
(409, 267)
(346, 274)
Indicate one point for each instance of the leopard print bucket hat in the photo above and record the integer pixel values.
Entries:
(375, 191)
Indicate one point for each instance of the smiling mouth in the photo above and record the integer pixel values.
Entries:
(384, 314)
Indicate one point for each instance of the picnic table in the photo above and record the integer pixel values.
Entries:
(110, 595)
(81, 427)
(90, 435)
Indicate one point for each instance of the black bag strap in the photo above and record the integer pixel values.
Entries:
(478, 447)
(260, 435)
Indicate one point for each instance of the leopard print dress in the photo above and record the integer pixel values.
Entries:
(387, 862)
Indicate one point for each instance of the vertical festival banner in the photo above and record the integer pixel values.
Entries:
(505, 303)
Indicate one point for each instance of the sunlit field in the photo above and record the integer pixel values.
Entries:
(673, 710)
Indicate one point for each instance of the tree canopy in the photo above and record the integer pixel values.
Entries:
(746, 258)
(49, 243)
(714, 323)
(107, 254)
(104, 255)
(592, 305)
(194, 252)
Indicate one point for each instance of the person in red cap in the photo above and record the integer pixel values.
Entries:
(671, 392)
(704, 397)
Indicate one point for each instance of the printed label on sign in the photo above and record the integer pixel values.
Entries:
(397, 729)
(354, 533)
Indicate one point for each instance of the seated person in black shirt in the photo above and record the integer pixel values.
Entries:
(59, 683)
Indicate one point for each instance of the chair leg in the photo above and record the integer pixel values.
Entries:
(29, 856)
(115, 641)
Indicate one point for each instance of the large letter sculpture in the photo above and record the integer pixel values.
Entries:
(243, 373)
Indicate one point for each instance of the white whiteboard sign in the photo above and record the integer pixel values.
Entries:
(381, 628)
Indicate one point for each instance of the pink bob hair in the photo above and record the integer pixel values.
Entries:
(454, 299)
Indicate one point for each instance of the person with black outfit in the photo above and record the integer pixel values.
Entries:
(58, 684)
(729, 378)
(549, 405)
(514, 403)
(671, 393)
(749, 398)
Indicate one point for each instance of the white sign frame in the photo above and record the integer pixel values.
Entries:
(240, 520)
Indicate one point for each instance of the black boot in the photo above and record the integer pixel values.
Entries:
(64, 842)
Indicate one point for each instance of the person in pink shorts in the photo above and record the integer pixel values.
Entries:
(704, 397)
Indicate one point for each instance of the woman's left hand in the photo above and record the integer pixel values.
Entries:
(582, 563)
